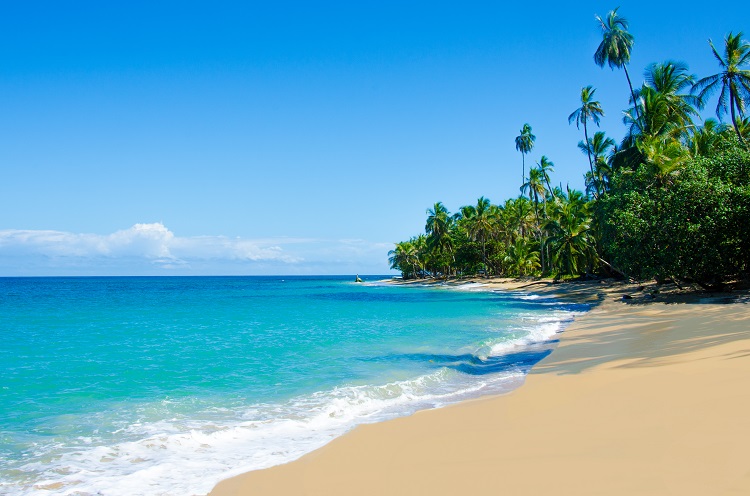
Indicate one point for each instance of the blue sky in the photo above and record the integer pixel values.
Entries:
(291, 138)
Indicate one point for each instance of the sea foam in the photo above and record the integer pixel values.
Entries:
(179, 446)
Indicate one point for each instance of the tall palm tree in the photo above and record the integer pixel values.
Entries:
(524, 144)
(616, 45)
(734, 80)
(590, 109)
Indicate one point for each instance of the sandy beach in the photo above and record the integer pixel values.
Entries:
(642, 396)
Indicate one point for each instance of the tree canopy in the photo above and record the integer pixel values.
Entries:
(670, 202)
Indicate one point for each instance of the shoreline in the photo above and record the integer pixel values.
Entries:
(645, 395)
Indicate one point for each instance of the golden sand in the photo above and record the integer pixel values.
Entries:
(642, 397)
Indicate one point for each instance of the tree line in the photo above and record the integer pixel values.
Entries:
(671, 201)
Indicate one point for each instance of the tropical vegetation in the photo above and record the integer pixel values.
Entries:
(671, 201)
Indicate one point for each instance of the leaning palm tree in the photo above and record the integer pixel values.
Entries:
(524, 144)
(590, 109)
(616, 45)
(734, 80)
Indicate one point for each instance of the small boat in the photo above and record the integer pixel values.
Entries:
(357, 279)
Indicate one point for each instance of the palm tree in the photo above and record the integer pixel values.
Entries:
(598, 147)
(524, 144)
(616, 45)
(535, 187)
(570, 238)
(404, 258)
(733, 79)
(743, 126)
(590, 109)
(663, 157)
(664, 110)
(704, 138)
(438, 227)
(523, 259)
(518, 213)
(545, 167)
(670, 79)
(481, 222)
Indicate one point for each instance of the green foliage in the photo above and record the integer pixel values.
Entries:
(672, 201)
(728, 161)
(693, 230)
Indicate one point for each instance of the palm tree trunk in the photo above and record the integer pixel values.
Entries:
(541, 241)
(734, 119)
(632, 93)
(588, 152)
(523, 168)
(484, 257)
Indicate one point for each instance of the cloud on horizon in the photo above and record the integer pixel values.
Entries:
(152, 249)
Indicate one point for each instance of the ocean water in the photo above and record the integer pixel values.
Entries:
(165, 385)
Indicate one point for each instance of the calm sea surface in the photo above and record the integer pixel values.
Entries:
(165, 385)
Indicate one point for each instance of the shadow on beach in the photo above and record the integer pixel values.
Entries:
(648, 333)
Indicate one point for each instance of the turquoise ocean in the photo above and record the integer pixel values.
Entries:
(165, 385)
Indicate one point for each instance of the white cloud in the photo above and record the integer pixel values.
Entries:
(153, 248)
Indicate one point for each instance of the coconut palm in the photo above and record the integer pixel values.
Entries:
(663, 157)
(570, 238)
(600, 147)
(704, 138)
(616, 45)
(734, 80)
(524, 144)
(481, 221)
(438, 227)
(519, 218)
(590, 109)
(438, 221)
(404, 257)
(535, 187)
(522, 258)
(545, 167)
(672, 79)
(664, 107)
(743, 126)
